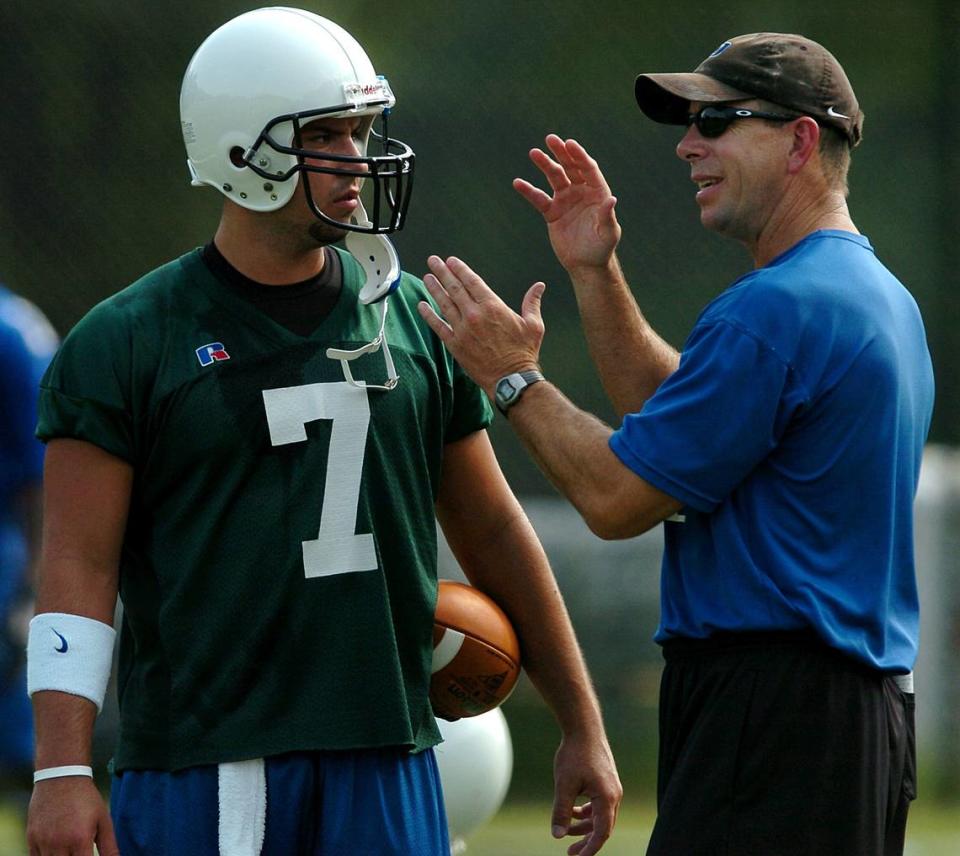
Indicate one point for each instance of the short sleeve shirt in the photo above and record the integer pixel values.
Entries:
(278, 573)
(793, 432)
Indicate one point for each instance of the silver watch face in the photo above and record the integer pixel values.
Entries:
(506, 391)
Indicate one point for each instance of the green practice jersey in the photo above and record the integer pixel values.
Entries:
(278, 572)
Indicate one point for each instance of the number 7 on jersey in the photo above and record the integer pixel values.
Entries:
(337, 549)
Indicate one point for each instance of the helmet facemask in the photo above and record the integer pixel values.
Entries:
(386, 179)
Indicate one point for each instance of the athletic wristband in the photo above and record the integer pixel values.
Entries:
(62, 772)
(71, 654)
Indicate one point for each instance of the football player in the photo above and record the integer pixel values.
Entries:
(252, 445)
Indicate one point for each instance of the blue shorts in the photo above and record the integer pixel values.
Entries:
(375, 802)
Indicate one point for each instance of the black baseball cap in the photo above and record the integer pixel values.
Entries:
(785, 69)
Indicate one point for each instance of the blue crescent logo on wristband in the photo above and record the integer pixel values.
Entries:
(57, 648)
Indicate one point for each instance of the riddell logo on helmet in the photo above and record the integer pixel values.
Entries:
(357, 92)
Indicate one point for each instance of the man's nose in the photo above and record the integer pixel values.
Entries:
(691, 145)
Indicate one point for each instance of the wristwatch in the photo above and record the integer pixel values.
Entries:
(510, 388)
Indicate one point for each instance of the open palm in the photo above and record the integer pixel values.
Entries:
(580, 216)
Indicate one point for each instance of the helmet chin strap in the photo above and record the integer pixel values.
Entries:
(381, 266)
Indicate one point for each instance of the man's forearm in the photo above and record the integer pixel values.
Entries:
(631, 359)
(563, 440)
(551, 655)
(64, 729)
(572, 449)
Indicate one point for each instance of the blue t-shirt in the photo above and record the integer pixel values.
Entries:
(27, 342)
(793, 432)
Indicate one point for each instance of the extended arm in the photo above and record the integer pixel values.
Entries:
(630, 357)
(86, 498)
(499, 552)
(571, 447)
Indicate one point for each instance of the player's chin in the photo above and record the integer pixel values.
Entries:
(326, 233)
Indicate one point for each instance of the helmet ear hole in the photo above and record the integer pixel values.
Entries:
(236, 157)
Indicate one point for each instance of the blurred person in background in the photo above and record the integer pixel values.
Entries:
(27, 343)
(781, 449)
(255, 454)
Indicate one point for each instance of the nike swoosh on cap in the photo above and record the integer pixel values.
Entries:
(835, 114)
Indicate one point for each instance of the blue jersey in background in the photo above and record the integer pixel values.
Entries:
(27, 343)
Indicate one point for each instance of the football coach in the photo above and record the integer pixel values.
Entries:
(780, 448)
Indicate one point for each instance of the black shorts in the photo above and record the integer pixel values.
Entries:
(776, 745)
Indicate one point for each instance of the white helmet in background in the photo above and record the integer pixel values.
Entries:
(250, 88)
(475, 762)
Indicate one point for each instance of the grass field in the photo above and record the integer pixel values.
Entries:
(525, 831)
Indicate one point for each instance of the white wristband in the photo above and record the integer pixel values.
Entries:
(62, 772)
(71, 654)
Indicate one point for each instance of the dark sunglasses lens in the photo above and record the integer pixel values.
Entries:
(712, 122)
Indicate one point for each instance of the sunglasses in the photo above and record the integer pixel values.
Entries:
(713, 121)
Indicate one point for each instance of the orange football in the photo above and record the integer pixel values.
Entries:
(476, 654)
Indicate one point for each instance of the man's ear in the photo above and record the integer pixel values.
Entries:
(806, 140)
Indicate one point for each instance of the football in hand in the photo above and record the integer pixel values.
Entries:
(476, 655)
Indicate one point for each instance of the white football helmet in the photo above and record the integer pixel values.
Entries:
(253, 84)
(476, 763)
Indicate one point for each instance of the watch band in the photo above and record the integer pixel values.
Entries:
(510, 387)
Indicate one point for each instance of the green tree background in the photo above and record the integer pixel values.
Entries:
(94, 189)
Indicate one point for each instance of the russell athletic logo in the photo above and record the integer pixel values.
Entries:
(212, 353)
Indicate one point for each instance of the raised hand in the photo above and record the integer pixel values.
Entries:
(486, 336)
(580, 217)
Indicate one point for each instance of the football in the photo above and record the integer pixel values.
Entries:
(476, 655)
